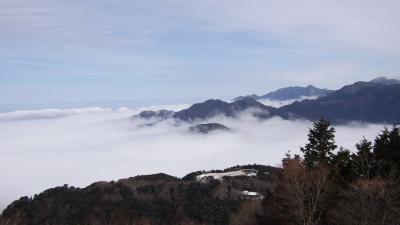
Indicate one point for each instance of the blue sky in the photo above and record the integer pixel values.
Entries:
(58, 53)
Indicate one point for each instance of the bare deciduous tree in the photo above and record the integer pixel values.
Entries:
(188, 221)
(303, 193)
(369, 202)
(247, 213)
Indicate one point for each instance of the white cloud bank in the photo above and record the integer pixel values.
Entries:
(81, 146)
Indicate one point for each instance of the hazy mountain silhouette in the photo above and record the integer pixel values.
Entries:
(289, 93)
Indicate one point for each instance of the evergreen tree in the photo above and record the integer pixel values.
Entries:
(363, 159)
(321, 144)
(387, 152)
(342, 164)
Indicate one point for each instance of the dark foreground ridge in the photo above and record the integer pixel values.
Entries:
(151, 199)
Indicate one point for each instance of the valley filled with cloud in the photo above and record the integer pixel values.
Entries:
(45, 148)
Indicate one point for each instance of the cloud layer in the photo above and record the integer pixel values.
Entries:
(42, 151)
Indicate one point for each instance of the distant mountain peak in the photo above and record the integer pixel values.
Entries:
(206, 128)
(311, 87)
(248, 100)
(159, 114)
(212, 107)
(289, 93)
(214, 101)
(254, 96)
(295, 92)
(385, 81)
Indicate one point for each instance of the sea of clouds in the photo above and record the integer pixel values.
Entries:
(41, 149)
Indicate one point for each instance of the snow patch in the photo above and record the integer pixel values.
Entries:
(252, 194)
(220, 176)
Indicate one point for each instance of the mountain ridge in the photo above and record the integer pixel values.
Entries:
(361, 101)
(289, 93)
(376, 101)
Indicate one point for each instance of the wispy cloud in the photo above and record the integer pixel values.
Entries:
(366, 24)
(181, 46)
